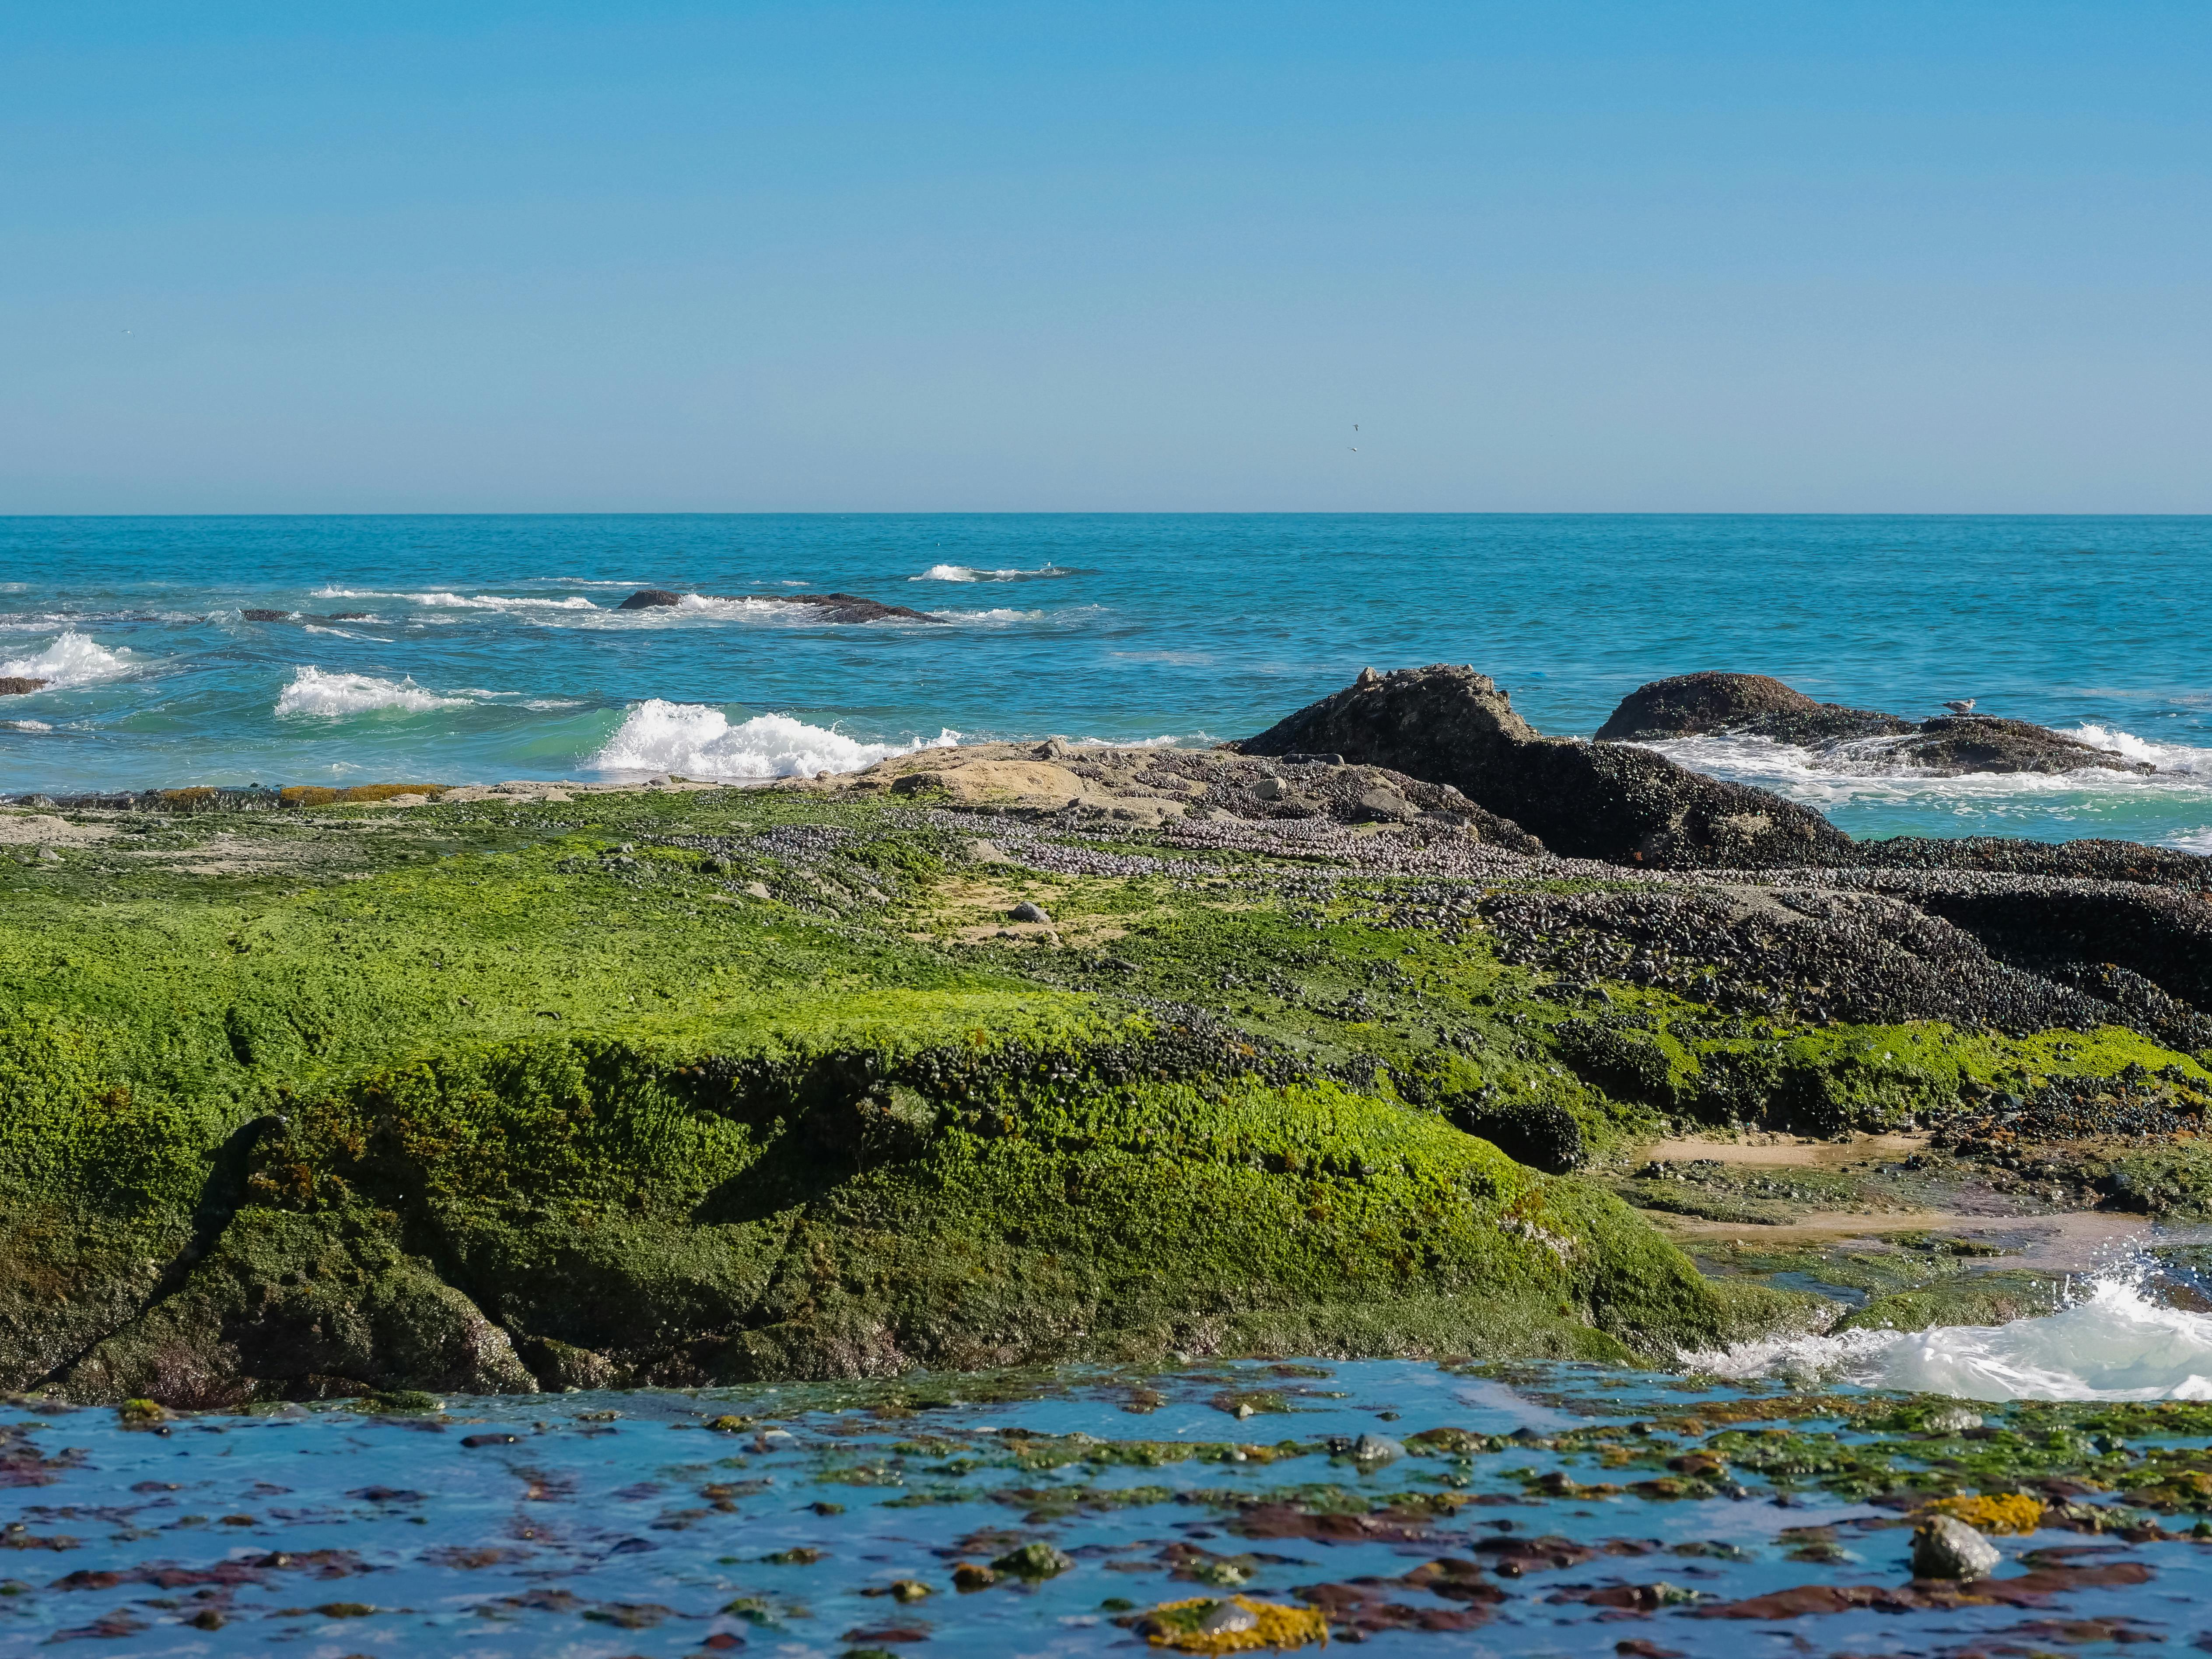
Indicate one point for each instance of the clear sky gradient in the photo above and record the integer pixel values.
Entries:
(1855, 256)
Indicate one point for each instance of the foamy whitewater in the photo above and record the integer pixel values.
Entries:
(71, 660)
(2111, 1341)
(489, 647)
(701, 743)
(334, 695)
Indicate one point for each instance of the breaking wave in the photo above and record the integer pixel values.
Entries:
(2172, 759)
(696, 740)
(331, 697)
(968, 573)
(2112, 1342)
(72, 659)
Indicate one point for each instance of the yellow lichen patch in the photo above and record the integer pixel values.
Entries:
(1182, 1625)
(1999, 1512)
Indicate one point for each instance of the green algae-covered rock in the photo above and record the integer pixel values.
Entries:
(485, 1095)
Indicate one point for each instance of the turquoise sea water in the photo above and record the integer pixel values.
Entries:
(490, 647)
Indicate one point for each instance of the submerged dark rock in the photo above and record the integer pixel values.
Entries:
(1757, 705)
(1449, 725)
(265, 615)
(832, 607)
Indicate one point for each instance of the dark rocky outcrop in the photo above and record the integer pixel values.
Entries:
(2093, 861)
(265, 615)
(1691, 705)
(849, 607)
(1756, 705)
(15, 686)
(1983, 742)
(1627, 805)
(831, 607)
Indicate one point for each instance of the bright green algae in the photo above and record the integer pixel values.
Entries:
(501, 1097)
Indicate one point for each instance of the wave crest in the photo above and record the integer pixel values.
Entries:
(332, 697)
(698, 741)
(73, 659)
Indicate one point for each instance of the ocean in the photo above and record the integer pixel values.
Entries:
(484, 648)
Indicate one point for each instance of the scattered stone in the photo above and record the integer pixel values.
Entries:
(1229, 1617)
(1037, 1560)
(1946, 1547)
(1026, 911)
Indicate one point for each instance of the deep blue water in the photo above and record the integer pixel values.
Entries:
(491, 649)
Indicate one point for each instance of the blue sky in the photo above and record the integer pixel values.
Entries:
(1847, 256)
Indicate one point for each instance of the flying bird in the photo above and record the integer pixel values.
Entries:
(1964, 706)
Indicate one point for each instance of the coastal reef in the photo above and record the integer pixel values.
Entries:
(1339, 1041)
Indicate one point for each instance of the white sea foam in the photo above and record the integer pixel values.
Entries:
(2172, 759)
(331, 697)
(73, 659)
(1073, 616)
(695, 740)
(760, 610)
(444, 600)
(26, 726)
(1853, 771)
(1164, 742)
(968, 573)
(2112, 1342)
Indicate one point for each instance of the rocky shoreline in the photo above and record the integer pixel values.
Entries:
(1356, 1036)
